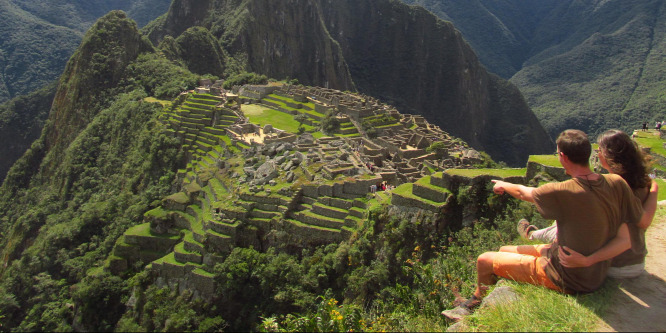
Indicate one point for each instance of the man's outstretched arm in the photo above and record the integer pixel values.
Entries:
(515, 190)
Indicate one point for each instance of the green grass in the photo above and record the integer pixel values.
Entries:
(425, 181)
(654, 142)
(405, 190)
(549, 160)
(542, 310)
(158, 213)
(490, 172)
(282, 99)
(262, 115)
(144, 230)
(155, 100)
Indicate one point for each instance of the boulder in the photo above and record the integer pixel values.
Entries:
(265, 173)
(305, 139)
(268, 128)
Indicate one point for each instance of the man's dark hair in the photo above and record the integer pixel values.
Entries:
(576, 145)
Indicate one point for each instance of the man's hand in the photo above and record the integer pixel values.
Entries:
(498, 188)
(573, 259)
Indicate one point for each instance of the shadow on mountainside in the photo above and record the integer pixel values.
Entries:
(639, 304)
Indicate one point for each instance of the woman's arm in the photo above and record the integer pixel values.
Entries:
(649, 206)
(616, 246)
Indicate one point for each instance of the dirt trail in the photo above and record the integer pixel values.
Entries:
(640, 304)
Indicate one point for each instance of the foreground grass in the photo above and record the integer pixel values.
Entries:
(543, 310)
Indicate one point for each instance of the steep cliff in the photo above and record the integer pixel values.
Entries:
(423, 65)
(400, 54)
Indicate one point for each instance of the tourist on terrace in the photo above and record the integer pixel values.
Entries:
(618, 154)
(590, 210)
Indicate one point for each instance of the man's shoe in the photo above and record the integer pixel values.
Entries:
(462, 310)
(524, 228)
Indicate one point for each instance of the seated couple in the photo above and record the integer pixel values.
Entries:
(598, 218)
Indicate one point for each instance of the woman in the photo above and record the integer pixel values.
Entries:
(618, 154)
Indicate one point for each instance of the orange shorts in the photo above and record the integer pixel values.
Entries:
(524, 265)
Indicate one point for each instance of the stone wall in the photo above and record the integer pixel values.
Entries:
(557, 173)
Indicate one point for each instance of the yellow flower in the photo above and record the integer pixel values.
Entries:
(339, 317)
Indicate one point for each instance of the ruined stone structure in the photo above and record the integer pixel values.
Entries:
(237, 190)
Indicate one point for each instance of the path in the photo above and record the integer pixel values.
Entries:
(640, 304)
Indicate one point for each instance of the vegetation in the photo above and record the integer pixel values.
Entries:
(39, 37)
(66, 204)
(244, 78)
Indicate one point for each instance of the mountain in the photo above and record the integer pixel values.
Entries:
(100, 161)
(38, 37)
(36, 40)
(402, 55)
(591, 65)
(122, 144)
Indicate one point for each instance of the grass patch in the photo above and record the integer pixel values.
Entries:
(654, 142)
(541, 310)
(164, 103)
(549, 160)
(503, 173)
(262, 115)
(144, 230)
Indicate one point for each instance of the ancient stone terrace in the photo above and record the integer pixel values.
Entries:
(245, 185)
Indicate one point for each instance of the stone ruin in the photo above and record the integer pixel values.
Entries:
(399, 151)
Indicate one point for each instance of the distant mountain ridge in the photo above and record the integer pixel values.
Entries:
(591, 65)
(38, 37)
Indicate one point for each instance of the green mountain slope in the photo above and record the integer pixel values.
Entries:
(604, 76)
(38, 37)
(33, 52)
(101, 160)
(584, 64)
(36, 40)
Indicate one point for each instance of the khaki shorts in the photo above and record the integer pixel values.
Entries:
(524, 265)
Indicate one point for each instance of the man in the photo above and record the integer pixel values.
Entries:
(590, 210)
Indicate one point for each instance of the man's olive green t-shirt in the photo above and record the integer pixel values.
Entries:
(588, 215)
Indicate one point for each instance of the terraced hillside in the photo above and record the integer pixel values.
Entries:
(259, 172)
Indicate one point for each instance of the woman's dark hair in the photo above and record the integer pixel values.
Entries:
(625, 158)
